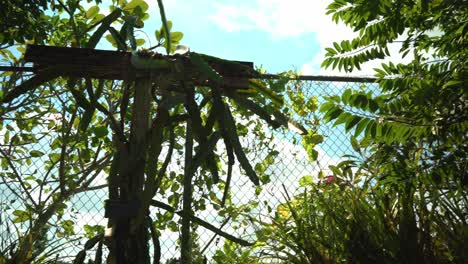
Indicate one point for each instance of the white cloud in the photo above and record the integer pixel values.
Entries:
(284, 19)
(280, 18)
(293, 18)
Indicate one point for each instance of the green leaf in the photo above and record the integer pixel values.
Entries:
(68, 227)
(20, 216)
(4, 163)
(335, 170)
(161, 30)
(111, 40)
(140, 42)
(452, 83)
(157, 35)
(346, 95)
(371, 129)
(312, 154)
(306, 180)
(101, 131)
(172, 226)
(337, 46)
(97, 18)
(316, 139)
(176, 36)
(355, 144)
(330, 52)
(92, 12)
(350, 124)
(360, 126)
(331, 115)
(373, 106)
(325, 107)
(359, 100)
(54, 157)
(344, 117)
(36, 153)
(134, 4)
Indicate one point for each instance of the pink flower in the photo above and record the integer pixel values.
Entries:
(329, 179)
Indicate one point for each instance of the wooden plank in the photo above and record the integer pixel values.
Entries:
(81, 62)
(76, 56)
(105, 64)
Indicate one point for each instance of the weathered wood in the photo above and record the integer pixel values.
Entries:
(186, 235)
(76, 56)
(82, 62)
(115, 65)
(130, 237)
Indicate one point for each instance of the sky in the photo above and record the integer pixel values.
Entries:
(277, 35)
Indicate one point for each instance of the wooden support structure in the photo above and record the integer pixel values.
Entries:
(128, 207)
(51, 62)
(116, 65)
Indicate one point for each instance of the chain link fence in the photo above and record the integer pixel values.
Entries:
(84, 214)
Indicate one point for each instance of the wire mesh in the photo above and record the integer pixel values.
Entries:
(84, 214)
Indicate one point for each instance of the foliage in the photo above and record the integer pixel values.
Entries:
(370, 224)
(402, 197)
(399, 116)
(415, 127)
(89, 127)
(233, 253)
(23, 21)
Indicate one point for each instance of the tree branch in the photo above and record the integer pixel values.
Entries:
(23, 186)
(202, 223)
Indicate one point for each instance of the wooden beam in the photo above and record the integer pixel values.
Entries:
(116, 65)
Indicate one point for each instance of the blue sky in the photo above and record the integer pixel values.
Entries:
(277, 35)
(221, 28)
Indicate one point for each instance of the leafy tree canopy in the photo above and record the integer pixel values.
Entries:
(402, 196)
(422, 104)
(23, 20)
